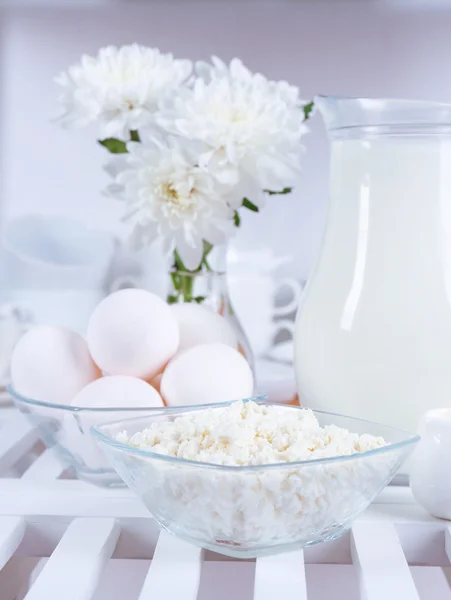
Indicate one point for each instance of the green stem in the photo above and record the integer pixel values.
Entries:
(183, 279)
(187, 287)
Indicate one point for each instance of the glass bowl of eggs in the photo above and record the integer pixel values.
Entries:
(140, 357)
(248, 479)
(66, 428)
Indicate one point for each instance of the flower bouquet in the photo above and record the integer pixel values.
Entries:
(192, 146)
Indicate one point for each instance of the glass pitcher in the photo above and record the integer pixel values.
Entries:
(373, 332)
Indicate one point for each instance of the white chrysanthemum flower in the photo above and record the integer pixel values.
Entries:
(238, 72)
(172, 198)
(120, 88)
(252, 126)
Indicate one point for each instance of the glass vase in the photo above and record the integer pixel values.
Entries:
(208, 287)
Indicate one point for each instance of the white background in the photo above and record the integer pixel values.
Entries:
(358, 48)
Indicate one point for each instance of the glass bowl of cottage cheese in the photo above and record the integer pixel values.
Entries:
(249, 479)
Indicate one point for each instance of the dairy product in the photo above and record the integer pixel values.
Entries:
(373, 336)
(251, 494)
(243, 434)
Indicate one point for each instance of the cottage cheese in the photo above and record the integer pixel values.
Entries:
(250, 510)
(246, 433)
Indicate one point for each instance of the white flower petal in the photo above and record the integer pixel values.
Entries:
(248, 124)
(143, 235)
(168, 246)
(191, 255)
(166, 192)
(120, 88)
(203, 70)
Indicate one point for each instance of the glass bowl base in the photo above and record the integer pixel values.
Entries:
(106, 480)
(235, 551)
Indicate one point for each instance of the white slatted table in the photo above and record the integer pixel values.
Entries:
(63, 539)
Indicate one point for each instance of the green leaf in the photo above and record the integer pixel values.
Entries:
(199, 299)
(114, 145)
(134, 136)
(286, 190)
(248, 204)
(178, 263)
(207, 248)
(237, 219)
(307, 108)
(172, 299)
(176, 281)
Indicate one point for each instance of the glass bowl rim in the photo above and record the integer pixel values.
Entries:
(410, 439)
(260, 399)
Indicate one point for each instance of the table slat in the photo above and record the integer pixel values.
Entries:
(282, 575)
(174, 572)
(74, 569)
(45, 468)
(383, 570)
(12, 530)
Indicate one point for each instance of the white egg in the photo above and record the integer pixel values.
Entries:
(206, 374)
(199, 325)
(118, 391)
(51, 364)
(115, 391)
(132, 332)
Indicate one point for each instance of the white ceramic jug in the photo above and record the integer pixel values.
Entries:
(373, 336)
(431, 464)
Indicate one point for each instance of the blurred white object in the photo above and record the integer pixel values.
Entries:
(56, 267)
(253, 290)
(257, 261)
(144, 281)
(60, 308)
(431, 464)
(13, 323)
(54, 252)
(275, 380)
(152, 275)
(283, 351)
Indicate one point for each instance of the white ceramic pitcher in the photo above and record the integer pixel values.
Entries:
(431, 464)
